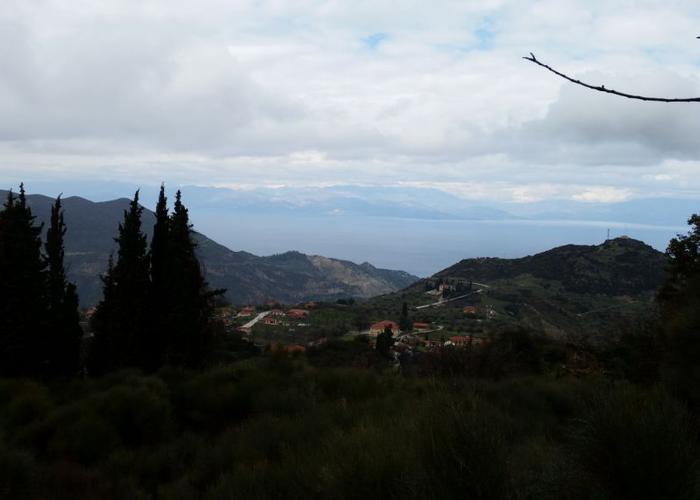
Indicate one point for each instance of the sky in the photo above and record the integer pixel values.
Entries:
(313, 93)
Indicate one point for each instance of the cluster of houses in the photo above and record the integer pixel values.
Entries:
(422, 334)
(249, 312)
(279, 317)
(454, 341)
(274, 317)
(417, 337)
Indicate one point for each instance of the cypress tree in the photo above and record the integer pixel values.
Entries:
(121, 321)
(156, 342)
(159, 244)
(63, 335)
(22, 292)
(190, 303)
(384, 342)
(405, 322)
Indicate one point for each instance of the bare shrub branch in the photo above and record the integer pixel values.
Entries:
(602, 88)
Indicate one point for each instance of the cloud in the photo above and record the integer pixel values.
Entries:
(603, 194)
(270, 93)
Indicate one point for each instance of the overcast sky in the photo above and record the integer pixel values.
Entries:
(303, 93)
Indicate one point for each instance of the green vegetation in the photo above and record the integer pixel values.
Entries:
(574, 290)
(39, 330)
(156, 308)
(276, 427)
(176, 407)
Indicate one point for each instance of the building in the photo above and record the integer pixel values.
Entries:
(297, 313)
(276, 312)
(470, 310)
(421, 326)
(246, 312)
(378, 328)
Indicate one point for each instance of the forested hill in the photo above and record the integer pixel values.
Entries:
(289, 277)
(573, 289)
(620, 266)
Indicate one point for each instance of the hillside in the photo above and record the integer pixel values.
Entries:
(621, 266)
(569, 290)
(289, 277)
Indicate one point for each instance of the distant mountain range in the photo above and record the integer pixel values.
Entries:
(426, 203)
(288, 277)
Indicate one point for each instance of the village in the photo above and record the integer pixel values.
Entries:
(458, 324)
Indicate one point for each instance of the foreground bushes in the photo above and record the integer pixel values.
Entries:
(275, 427)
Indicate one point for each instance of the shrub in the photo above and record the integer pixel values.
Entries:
(638, 444)
(464, 451)
(19, 475)
(213, 400)
(87, 439)
(140, 412)
(23, 402)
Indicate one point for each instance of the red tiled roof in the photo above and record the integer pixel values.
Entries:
(383, 324)
(297, 313)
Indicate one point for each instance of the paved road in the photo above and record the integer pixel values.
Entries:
(252, 322)
(439, 303)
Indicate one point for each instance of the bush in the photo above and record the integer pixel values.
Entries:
(140, 412)
(213, 400)
(464, 451)
(19, 475)
(23, 402)
(638, 444)
(88, 439)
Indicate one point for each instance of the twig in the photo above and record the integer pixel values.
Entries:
(602, 88)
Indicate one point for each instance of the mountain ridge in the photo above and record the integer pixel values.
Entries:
(636, 266)
(589, 290)
(288, 277)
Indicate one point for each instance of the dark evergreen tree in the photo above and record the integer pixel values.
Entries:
(384, 342)
(159, 243)
(121, 322)
(683, 282)
(23, 305)
(156, 342)
(405, 322)
(190, 303)
(63, 333)
(679, 299)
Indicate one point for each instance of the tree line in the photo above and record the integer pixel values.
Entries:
(156, 306)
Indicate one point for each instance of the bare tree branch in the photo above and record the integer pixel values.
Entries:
(602, 88)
